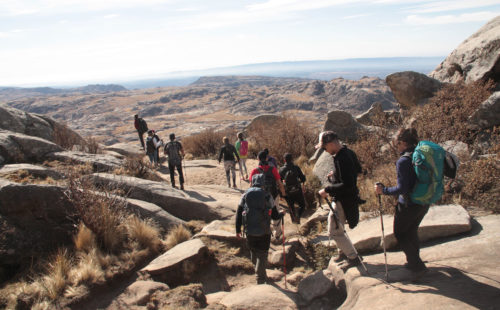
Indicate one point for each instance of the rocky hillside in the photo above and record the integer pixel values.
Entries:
(212, 102)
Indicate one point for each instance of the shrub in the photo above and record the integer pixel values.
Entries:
(65, 137)
(177, 235)
(135, 166)
(481, 187)
(207, 143)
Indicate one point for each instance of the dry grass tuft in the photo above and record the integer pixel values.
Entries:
(145, 232)
(84, 239)
(55, 280)
(177, 235)
(135, 166)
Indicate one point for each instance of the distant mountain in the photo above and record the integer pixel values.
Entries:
(252, 81)
(352, 69)
(9, 93)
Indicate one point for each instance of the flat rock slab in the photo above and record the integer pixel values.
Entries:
(440, 221)
(137, 294)
(174, 201)
(219, 230)
(463, 274)
(126, 149)
(257, 297)
(178, 264)
(150, 210)
(19, 148)
(99, 162)
(316, 285)
(37, 171)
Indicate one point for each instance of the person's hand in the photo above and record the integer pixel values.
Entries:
(379, 188)
(323, 193)
(330, 174)
(238, 235)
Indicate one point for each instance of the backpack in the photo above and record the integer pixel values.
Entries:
(143, 126)
(243, 148)
(150, 145)
(451, 164)
(256, 212)
(172, 149)
(428, 161)
(269, 181)
(292, 182)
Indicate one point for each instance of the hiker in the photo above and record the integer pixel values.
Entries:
(228, 151)
(270, 159)
(153, 143)
(408, 214)
(272, 181)
(294, 178)
(242, 148)
(142, 127)
(254, 211)
(344, 192)
(173, 149)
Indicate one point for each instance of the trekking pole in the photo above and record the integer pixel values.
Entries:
(341, 226)
(383, 235)
(284, 253)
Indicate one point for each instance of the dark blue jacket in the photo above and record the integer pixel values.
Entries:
(406, 178)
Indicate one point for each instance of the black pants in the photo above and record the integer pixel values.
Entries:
(141, 137)
(259, 248)
(171, 168)
(406, 222)
(293, 198)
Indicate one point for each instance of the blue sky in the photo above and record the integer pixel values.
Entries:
(47, 42)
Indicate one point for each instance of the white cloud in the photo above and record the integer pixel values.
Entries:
(451, 5)
(356, 16)
(297, 5)
(110, 16)
(450, 19)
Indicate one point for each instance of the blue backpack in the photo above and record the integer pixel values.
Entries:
(428, 161)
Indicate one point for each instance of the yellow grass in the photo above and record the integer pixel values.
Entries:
(177, 235)
(145, 232)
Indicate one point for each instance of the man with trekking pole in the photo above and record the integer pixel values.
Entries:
(173, 149)
(344, 192)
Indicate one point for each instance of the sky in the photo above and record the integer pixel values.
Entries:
(49, 42)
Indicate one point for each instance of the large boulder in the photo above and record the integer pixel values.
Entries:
(219, 230)
(488, 113)
(34, 219)
(150, 210)
(35, 125)
(412, 88)
(126, 149)
(174, 201)
(257, 297)
(34, 170)
(137, 294)
(17, 147)
(318, 285)
(477, 58)
(99, 162)
(343, 124)
(263, 120)
(179, 264)
(323, 166)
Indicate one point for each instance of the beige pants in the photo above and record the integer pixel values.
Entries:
(337, 233)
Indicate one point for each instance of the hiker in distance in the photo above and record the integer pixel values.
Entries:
(142, 127)
(272, 182)
(254, 211)
(270, 159)
(408, 214)
(242, 148)
(228, 151)
(173, 149)
(153, 143)
(344, 192)
(294, 180)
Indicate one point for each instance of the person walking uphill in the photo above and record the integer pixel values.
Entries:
(153, 143)
(173, 149)
(228, 151)
(408, 214)
(294, 179)
(142, 127)
(344, 191)
(254, 211)
(242, 148)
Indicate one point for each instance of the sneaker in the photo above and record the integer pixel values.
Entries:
(340, 257)
(351, 262)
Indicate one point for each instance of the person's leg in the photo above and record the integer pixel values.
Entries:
(227, 168)
(261, 251)
(336, 231)
(301, 202)
(156, 161)
(290, 201)
(406, 221)
(233, 172)
(171, 168)
(181, 175)
(243, 163)
(141, 138)
(151, 158)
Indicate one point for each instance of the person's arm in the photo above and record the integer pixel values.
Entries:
(347, 176)
(404, 168)
(182, 149)
(301, 175)
(239, 218)
(136, 124)
(236, 153)
(277, 177)
(220, 153)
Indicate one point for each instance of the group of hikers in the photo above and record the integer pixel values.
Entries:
(259, 212)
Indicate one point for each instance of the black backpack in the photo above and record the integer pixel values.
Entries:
(292, 182)
(150, 145)
(256, 212)
(143, 126)
(269, 181)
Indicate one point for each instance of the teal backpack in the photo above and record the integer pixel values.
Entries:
(428, 162)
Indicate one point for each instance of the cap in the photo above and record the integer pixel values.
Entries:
(325, 137)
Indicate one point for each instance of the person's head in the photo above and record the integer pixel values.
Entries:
(172, 136)
(136, 116)
(329, 141)
(288, 158)
(240, 135)
(266, 151)
(262, 156)
(150, 132)
(406, 138)
(225, 140)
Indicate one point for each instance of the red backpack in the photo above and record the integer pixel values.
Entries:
(243, 148)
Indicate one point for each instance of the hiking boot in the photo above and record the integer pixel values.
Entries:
(182, 187)
(234, 186)
(340, 257)
(416, 275)
(351, 262)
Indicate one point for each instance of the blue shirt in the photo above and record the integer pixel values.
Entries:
(406, 178)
